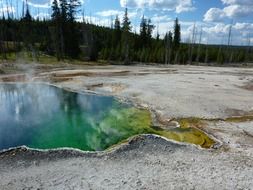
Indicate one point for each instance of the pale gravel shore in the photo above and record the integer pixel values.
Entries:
(149, 162)
(174, 91)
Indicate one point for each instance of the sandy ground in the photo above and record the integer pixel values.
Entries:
(148, 162)
(175, 92)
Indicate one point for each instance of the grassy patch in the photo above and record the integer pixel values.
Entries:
(28, 57)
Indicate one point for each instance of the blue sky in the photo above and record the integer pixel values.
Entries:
(213, 17)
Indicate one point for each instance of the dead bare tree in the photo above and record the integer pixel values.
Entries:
(192, 44)
(17, 10)
(207, 51)
(229, 53)
(199, 44)
(248, 48)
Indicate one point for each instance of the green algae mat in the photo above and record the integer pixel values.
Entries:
(46, 117)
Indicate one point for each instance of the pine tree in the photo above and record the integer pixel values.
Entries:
(28, 16)
(168, 47)
(72, 37)
(3, 37)
(117, 23)
(150, 29)
(64, 10)
(56, 29)
(67, 34)
(143, 32)
(27, 29)
(126, 28)
(62, 27)
(117, 32)
(146, 30)
(116, 38)
(60, 36)
(73, 9)
(55, 11)
(177, 34)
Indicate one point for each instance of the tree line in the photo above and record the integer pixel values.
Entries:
(64, 37)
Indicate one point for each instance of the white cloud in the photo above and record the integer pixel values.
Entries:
(233, 9)
(217, 29)
(185, 6)
(42, 16)
(170, 5)
(218, 33)
(238, 2)
(161, 18)
(110, 13)
(243, 26)
(214, 14)
(46, 4)
(212, 33)
(7, 9)
(95, 20)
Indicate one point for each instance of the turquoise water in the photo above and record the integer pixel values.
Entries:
(45, 117)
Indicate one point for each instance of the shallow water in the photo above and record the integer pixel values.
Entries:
(45, 117)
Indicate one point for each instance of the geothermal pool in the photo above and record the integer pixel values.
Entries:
(46, 117)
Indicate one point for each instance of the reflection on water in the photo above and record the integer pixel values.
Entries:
(45, 117)
(42, 116)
